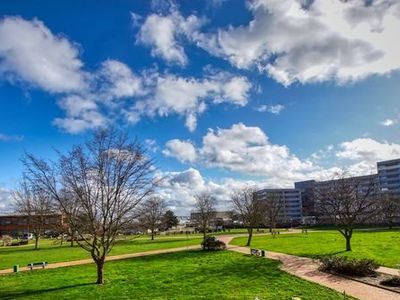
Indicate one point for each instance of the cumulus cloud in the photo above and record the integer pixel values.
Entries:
(116, 80)
(273, 109)
(163, 32)
(5, 200)
(323, 40)
(246, 150)
(189, 96)
(82, 113)
(179, 189)
(367, 149)
(30, 52)
(388, 122)
(184, 151)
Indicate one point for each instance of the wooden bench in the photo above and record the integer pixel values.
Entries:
(257, 252)
(42, 264)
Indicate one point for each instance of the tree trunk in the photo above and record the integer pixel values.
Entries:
(348, 244)
(250, 230)
(152, 235)
(204, 238)
(100, 267)
(36, 242)
(72, 239)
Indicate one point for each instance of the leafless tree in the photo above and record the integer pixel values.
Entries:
(348, 202)
(250, 209)
(273, 205)
(205, 212)
(390, 208)
(108, 176)
(36, 205)
(151, 213)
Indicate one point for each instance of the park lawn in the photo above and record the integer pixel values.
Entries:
(184, 275)
(51, 252)
(382, 246)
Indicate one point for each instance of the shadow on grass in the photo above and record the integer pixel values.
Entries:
(37, 292)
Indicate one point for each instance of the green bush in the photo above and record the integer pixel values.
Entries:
(347, 266)
(211, 243)
(393, 281)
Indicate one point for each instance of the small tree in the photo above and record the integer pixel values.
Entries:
(169, 220)
(107, 177)
(272, 206)
(151, 214)
(36, 205)
(250, 209)
(205, 211)
(348, 202)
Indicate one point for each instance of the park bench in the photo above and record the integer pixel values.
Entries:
(42, 264)
(257, 252)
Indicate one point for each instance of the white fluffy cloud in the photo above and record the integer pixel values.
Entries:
(312, 41)
(163, 32)
(179, 189)
(369, 150)
(29, 51)
(82, 113)
(182, 150)
(188, 96)
(273, 109)
(245, 150)
(116, 80)
(5, 200)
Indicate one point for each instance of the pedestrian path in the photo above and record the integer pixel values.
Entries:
(307, 268)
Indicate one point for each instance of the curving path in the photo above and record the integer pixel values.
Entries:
(307, 268)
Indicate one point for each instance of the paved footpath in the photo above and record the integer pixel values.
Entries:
(307, 268)
(109, 258)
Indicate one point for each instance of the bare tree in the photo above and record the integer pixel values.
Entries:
(390, 208)
(36, 206)
(273, 205)
(348, 202)
(205, 211)
(250, 209)
(151, 213)
(108, 176)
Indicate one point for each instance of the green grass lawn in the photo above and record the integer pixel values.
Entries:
(185, 275)
(51, 252)
(382, 246)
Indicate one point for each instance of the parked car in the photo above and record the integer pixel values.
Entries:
(27, 236)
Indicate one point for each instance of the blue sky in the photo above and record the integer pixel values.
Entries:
(225, 93)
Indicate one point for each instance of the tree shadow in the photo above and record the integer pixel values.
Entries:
(36, 292)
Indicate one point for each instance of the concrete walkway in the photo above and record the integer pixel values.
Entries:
(108, 258)
(307, 268)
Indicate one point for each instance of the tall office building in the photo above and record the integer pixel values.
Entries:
(389, 176)
(291, 203)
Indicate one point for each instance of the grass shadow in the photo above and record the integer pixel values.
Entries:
(36, 292)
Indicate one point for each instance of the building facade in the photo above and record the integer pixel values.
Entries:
(291, 207)
(17, 225)
(389, 176)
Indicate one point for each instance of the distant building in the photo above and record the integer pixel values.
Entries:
(389, 176)
(219, 219)
(386, 180)
(17, 225)
(291, 211)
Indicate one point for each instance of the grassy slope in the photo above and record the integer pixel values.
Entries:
(51, 252)
(185, 275)
(382, 246)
